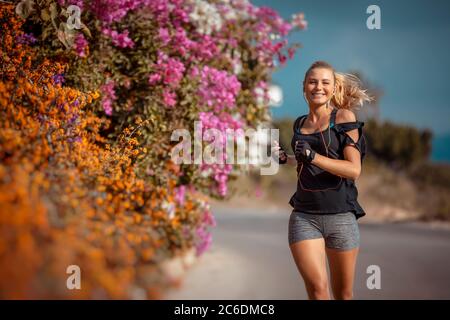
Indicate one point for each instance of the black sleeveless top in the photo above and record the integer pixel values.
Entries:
(319, 191)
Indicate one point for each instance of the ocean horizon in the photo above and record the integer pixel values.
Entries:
(440, 148)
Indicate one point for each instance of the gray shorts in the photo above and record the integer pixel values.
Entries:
(340, 230)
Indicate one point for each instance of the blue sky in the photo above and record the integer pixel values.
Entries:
(409, 57)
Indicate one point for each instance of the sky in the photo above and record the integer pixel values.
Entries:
(408, 58)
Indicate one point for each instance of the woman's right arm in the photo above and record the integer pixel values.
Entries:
(291, 160)
(282, 155)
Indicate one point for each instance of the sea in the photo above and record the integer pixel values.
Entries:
(441, 148)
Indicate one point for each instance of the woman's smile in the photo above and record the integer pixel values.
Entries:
(318, 86)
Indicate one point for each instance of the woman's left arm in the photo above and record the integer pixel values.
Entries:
(350, 167)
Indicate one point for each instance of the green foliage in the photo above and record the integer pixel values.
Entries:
(398, 145)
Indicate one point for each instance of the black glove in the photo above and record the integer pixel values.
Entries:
(281, 155)
(282, 158)
(304, 152)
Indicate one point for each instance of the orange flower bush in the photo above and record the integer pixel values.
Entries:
(68, 196)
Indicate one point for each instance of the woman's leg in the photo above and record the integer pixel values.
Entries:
(342, 245)
(342, 272)
(310, 258)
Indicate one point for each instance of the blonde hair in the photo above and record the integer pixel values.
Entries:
(348, 90)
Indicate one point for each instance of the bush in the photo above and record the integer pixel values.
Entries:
(397, 145)
(85, 122)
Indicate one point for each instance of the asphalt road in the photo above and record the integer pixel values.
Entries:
(250, 259)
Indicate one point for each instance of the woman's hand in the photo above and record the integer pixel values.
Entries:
(279, 153)
(303, 151)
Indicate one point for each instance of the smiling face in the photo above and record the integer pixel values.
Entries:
(318, 86)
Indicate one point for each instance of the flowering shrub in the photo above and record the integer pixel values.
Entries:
(69, 197)
(164, 60)
(86, 119)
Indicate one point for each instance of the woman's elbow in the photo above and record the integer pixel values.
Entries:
(353, 171)
(356, 172)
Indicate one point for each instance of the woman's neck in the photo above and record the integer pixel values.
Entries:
(316, 114)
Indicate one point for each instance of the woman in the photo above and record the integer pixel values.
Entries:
(329, 148)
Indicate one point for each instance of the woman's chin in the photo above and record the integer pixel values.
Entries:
(318, 102)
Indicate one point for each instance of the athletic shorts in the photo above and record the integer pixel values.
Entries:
(340, 230)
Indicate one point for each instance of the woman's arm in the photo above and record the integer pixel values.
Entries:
(350, 167)
(291, 160)
(280, 155)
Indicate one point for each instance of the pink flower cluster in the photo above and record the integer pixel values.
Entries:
(268, 29)
(203, 47)
(223, 122)
(168, 71)
(205, 237)
(119, 39)
(164, 36)
(204, 240)
(298, 21)
(270, 23)
(168, 12)
(180, 193)
(217, 89)
(66, 3)
(109, 11)
(109, 96)
(271, 18)
(169, 97)
(80, 45)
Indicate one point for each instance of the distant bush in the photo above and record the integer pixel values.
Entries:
(398, 145)
(433, 174)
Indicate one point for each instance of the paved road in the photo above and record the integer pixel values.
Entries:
(250, 259)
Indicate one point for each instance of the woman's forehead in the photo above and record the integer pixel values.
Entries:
(321, 74)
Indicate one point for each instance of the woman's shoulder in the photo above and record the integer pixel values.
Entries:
(297, 122)
(344, 116)
(346, 121)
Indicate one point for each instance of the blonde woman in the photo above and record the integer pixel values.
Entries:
(329, 147)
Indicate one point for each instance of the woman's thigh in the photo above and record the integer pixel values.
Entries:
(342, 270)
(310, 257)
(342, 245)
(308, 247)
